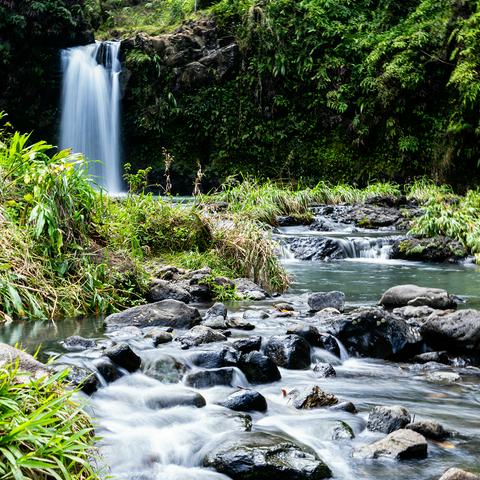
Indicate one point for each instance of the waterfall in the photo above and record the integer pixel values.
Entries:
(90, 122)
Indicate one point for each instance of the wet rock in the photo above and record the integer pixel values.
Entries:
(456, 330)
(168, 272)
(288, 351)
(263, 456)
(438, 249)
(413, 295)
(249, 289)
(388, 419)
(225, 357)
(342, 431)
(164, 368)
(444, 377)
(185, 398)
(245, 401)
(283, 307)
(216, 316)
(259, 368)
(459, 474)
(158, 336)
(398, 445)
(163, 290)
(224, 61)
(377, 333)
(26, 362)
(289, 221)
(319, 300)
(209, 378)
(308, 332)
(253, 315)
(314, 248)
(83, 379)
(329, 343)
(166, 313)
(410, 312)
(345, 407)
(438, 357)
(106, 369)
(201, 293)
(429, 429)
(200, 334)
(324, 370)
(123, 356)
(249, 344)
(311, 397)
(76, 342)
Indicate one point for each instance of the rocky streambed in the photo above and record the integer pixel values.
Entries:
(343, 376)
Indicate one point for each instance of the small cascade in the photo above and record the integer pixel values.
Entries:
(367, 247)
(90, 122)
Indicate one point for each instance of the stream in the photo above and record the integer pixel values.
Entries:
(139, 442)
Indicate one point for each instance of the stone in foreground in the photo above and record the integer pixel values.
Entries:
(388, 419)
(399, 445)
(311, 397)
(403, 295)
(288, 351)
(262, 456)
(459, 474)
(259, 368)
(245, 401)
(429, 429)
(457, 330)
(166, 313)
(201, 334)
(319, 300)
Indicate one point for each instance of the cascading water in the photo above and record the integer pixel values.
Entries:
(90, 121)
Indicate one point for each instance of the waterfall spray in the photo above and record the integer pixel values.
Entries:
(90, 121)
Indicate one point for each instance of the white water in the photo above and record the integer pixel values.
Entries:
(90, 121)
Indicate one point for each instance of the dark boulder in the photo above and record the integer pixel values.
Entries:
(288, 351)
(429, 429)
(452, 331)
(209, 378)
(259, 368)
(123, 356)
(345, 407)
(200, 334)
(166, 313)
(314, 248)
(438, 249)
(224, 357)
(245, 401)
(164, 290)
(403, 295)
(106, 369)
(319, 300)
(388, 419)
(263, 456)
(377, 333)
(83, 379)
(249, 344)
(185, 398)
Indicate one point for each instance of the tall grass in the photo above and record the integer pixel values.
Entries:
(44, 433)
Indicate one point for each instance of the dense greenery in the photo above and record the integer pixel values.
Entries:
(333, 89)
(44, 434)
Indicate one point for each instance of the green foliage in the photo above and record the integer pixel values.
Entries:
(457, 218)
(344, 91)
(43, 431)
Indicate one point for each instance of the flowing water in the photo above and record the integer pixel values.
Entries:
(139, 442)
(90, 122)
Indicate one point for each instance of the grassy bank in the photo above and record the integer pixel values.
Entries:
(70, 250)
(44, 434)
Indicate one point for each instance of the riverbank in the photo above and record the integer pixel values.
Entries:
(70, 250)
